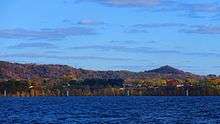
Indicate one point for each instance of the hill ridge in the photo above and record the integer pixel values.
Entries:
(26, 71)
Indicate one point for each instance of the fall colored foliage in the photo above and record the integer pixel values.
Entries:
(62, 80)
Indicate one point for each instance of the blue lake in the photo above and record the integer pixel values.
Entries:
(112, 110)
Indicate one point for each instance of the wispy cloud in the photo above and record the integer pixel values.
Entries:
(184, 28)
(122, 41)
(127, 3)
(159, 25)
(34, 45)
(144, 50)
(145, 27)
(132, 2)
(46, 33)
(202, 30)
(48, 56)
(131, 42)
(203, 54)
(89, 22)
(199, 7)
(164, 5)
(111, 48)
(125, 49)
(135, 30)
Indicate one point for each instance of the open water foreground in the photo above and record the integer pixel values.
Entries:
(110, 110)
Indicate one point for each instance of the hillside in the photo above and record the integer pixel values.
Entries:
(29, 71)
(60, 80)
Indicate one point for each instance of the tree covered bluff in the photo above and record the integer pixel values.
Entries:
(61, 80)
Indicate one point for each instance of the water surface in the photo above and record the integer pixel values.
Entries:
(112, 110)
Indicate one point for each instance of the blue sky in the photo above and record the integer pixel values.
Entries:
(113, 34)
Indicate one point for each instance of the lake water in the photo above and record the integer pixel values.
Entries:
(112, 110)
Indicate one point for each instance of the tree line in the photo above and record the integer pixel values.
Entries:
(108, 87)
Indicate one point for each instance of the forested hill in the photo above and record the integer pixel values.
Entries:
(30, 71)
(62, 80)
